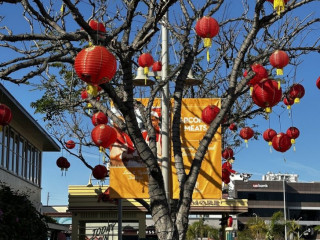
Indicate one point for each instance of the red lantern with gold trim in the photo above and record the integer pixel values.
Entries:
(278, 5)
(70, 144)
(293, 133)
(260, 74)
(281, 142)
(145, 60)
(296, 92)
(268, 135)
(5, 115)
(279, 59)
(246, 133)
(103, 135)
(266, 94)
(95, 65)
(100, 172)
(227, 153)
(209, 113)
(99, 118)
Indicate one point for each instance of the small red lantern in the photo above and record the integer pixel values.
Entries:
(260, 74)
(157, 66)
(5, 115)
(145, 60)
(268, 135)
(70, 144)
(99, 118)
(209, 113)
(63, 163)
(233, 127)
(97, 26)
(279, 59)
(246, 133)
(207, 27)
(227, 153)
(318, 82)
(293, 133)
(296, 92)
(103, 135)
(266, 94)
(281, 142)
(278, 5)
(95, 65)
(229, 221)
(100, 172)
(288, 102)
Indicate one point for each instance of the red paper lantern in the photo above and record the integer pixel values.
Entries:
(279, 59)
(99, 118)
(97, 26)
(227, 153)
(233, 127)
(209, 113)
(67, 165)
(100, 172)
(70, 144)
(296, 92)
(229, 221)
(103, 135)
(268, 135)
(266, 94)
(157, 66)
(281, 142)
(246, 133)
(5, 115)
(260, 74)
(288, 102)
(318, 82)
(293, 133)
(145, 60)
(62, 163)
(278, 5)
(95, 65)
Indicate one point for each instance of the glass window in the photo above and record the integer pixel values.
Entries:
(21, 158)
(5, 147)
(11, 143)
(1, 148)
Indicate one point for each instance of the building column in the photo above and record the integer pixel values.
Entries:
(142, 225)
(75, 226)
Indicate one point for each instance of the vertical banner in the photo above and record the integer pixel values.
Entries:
(193, 129)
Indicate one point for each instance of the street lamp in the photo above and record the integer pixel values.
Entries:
(254, 214)
(284, 208)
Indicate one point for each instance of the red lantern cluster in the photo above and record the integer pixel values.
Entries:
(281, 142)
(209, 113)
(279, 59)
(100, 172)
(296, 92)
(260, 74)
(103, 135)
(266, 94)
(268, 135)
(99, 118)
(63, 163)
(246, 133)
(95, 65)
(97, 26)
(145, 60)
(227, 153)
(70, 144)
(5, 115)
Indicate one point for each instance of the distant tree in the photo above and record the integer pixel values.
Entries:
(19, 220)
(275, 228)
(258, 227)
(199, 230)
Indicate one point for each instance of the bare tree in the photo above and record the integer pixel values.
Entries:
(43, 56)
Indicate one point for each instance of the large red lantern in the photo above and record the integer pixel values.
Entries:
(227, 153)
(268, 135)
(246, 133)
(260, 74)
(99, 118)
(103, 135)
(296, 92)
(281, 142)
(266, 94)
(293, 133)
(318, 83)
(100, 172)
(278, 5)
(206, 28)
(5, 115)
(145, 60)
(279, 59)
(97, 26)
(95, 65)
(209, 113)
(70, 144)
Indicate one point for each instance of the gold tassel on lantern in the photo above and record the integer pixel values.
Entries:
(207, 42)
(103, 151)
(145, 71)
(278, 5)
(92, 91)
(279, 71)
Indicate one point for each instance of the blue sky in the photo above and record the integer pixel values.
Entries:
(255, 159)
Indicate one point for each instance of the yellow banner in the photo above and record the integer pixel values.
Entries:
(130, 181)
(208, 184)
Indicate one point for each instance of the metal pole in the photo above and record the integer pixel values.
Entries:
(254, 214)
(165, 103)
(284, 209)
(119, 219)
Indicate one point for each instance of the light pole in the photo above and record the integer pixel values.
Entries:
(257, 232)
(299, 227)
(284, 209)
